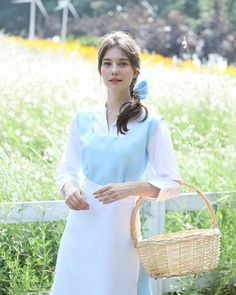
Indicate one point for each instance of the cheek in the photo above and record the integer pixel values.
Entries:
(103, 71)
(129, 73)
(104, 75)
(129, 76)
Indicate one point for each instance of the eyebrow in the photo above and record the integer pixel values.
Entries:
(119, 59)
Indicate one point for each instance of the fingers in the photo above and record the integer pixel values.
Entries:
(102, 190)
(112, 192)
(71, 204)
(76, 201)
(76, 197)
(110, 198)
(106, 196)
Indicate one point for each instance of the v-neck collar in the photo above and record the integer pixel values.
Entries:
(101, 126)
(101, 118)
(113, 123)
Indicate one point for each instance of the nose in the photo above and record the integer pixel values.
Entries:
(114, 69)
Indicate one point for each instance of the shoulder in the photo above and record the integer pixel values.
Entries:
(153, 117)
(79, 119)
(87, 115)
(153, 122)
(84, 112)
(93, 109)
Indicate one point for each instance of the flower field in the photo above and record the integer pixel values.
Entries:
(43, 84)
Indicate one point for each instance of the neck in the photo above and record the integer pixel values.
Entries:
(116, 99)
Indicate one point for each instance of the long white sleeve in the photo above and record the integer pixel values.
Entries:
(163, 163)
(70, 164)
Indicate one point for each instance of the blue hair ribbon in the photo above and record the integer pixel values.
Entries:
(141, 89)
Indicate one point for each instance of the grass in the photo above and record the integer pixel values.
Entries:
(40, 91)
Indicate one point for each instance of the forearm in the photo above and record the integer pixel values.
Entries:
(143, 189)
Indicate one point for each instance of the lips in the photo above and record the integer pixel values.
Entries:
(115, 80)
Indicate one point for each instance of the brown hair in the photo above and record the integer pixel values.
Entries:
(132, 109)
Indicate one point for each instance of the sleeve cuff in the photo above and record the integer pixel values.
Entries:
(168, 188)
(68, 178)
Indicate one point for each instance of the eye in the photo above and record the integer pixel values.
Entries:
(106, 63)
(123, 63)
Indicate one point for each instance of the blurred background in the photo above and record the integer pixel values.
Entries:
(160, 25)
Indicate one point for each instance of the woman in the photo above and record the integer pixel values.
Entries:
(112, 147)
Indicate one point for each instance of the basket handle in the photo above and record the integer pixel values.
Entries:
(191, 187)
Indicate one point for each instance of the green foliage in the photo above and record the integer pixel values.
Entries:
(28, 256)
(165, 6)
(222, 278)
(192, 9)
(231, 10)
(206, 8)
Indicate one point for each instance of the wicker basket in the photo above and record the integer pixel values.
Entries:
(178, 254)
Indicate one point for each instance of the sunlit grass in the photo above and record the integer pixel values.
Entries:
(40, 91)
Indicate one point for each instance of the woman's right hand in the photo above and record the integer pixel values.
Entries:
(74, 197)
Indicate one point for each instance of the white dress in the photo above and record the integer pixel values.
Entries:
(96, 254)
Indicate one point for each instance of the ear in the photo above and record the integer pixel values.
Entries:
(135, 74)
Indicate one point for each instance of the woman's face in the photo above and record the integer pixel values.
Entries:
(116, 70)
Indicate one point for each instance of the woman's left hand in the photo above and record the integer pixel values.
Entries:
(113, 192)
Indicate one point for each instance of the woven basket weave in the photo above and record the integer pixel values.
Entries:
(178, 254)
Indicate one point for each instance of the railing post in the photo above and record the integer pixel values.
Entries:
(154, 213)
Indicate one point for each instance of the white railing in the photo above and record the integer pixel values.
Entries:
(154, 212)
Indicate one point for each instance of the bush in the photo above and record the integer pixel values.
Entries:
(165, 35)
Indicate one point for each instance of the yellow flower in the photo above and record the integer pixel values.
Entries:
(90, 53)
